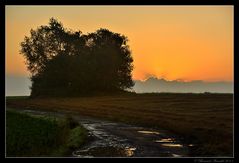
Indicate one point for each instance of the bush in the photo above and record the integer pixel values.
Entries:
(76, 138)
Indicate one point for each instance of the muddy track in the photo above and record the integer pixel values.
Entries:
(111, 139)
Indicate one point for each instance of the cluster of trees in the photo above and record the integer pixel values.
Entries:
(64, 62)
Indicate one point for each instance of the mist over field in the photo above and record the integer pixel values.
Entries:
(19, 85)
(198, 86)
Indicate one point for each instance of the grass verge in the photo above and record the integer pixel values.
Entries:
(31, 136)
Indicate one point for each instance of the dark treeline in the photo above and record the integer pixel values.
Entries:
(68, 63)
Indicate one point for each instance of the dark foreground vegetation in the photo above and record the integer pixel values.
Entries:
(204, 120)
(31, 136)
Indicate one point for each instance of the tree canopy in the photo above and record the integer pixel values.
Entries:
(64, 62)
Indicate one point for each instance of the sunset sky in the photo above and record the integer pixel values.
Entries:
(171, 42)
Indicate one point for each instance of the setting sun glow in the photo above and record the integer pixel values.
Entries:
(171, 42)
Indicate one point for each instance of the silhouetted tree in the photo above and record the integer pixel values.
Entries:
(64, 63)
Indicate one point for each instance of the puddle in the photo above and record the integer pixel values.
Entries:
(172, 145)
(105, 152)
(168, 140)
(129, 151)
(105, 144)
(149, 132)
(176, 155)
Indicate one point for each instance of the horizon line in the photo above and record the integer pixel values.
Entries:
(142, 80)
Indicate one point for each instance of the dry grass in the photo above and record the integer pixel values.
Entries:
(202, 119)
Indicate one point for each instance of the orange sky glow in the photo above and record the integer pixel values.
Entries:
(171, 42)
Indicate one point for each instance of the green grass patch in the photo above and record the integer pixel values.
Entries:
(32, 136)
(73, 141)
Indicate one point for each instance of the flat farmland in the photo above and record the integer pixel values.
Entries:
(203, 120)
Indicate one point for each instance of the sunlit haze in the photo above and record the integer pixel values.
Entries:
(183, 43)
(171, 42)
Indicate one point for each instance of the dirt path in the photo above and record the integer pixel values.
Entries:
(122, 140)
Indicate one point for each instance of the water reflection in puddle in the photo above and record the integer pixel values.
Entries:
(129, 151)
(172, 145)
(105, 143)
(149, 132)
(168, 140)
(105, 152)
(176, 155)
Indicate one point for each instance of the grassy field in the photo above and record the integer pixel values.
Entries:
(205, 120)
(31, 136)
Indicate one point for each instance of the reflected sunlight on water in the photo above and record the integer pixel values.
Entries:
(176, 155)
(149, 132)
(172, 145)
(168, 140)
(105, 152)
(129, 151)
